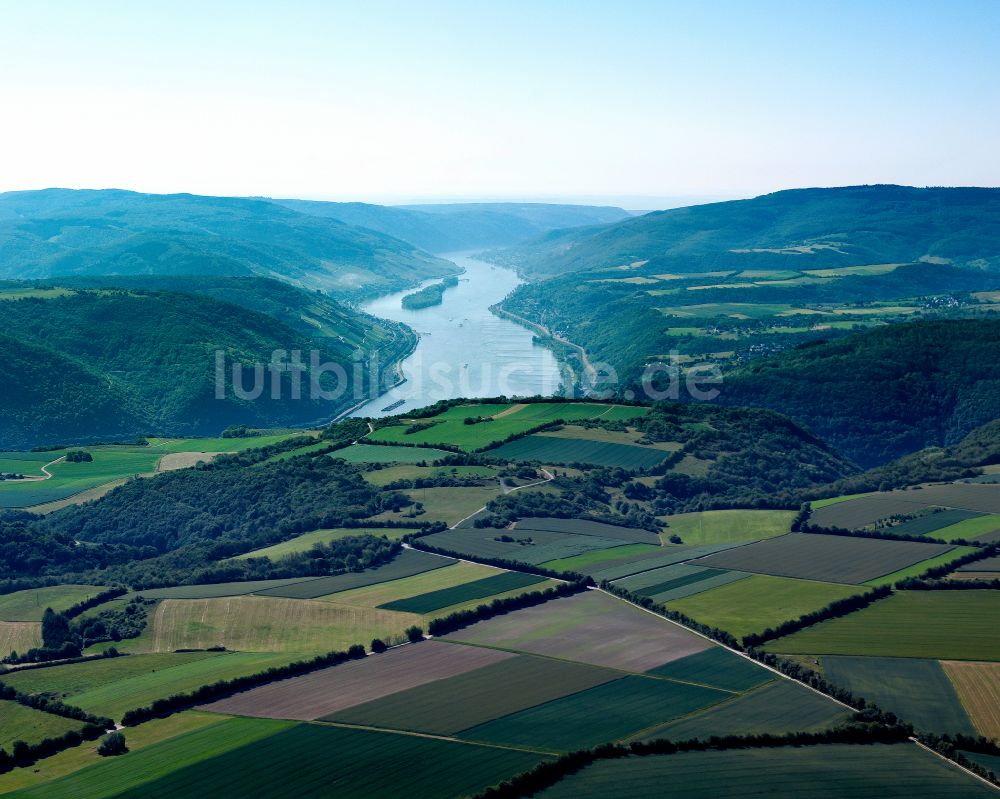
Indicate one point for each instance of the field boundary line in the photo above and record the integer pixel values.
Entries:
(734, 651)
(951, 762)
(550, 477)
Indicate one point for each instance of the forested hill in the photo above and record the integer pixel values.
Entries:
(462, 226)
(884, 393)
(58, 232)
(98, 364)
(796, 229)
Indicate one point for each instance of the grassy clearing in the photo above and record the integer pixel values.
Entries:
(481, 589)
(305, 542)
(79, 757)
(578, 562)
(826, 558)
(899, 771)
(20, 723)
(19, 636)
(371, 453)
(371, 596)
(727, 526)
(270, 624)
(781, 706)
(109, 463)
(758, 602)
(914, 689)
(605, 713)
(263, 758)
(449, 505)
(448, 706)
(943, 625)
(550, 449)
(29, 605)
(389, 474)
(449, 427)
(919, 568)
(978, 687)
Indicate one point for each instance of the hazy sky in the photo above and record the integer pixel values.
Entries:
(392, 100)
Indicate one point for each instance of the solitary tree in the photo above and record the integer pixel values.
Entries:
(112, 744)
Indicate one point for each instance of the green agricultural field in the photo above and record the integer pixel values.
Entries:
(113, 685)
(448, 706)
(899, 771)
(941, 625)
(164, 445)
(607, 712)
(389, 474)
(577, 563)
(270, 624)
(212, 590)
(929, 522)
(370, 453)
(306, 541)
(666, 556)
(526, 546)
(630, 437)
(970, 529)
(371, 596)
(978, 686)
(449, 427)
(445, 504)
(716, 667)
(243, 757)
(109, 463)
(459, 594)
(919, 568)
(549, 449)
(758, 602)
(822, 503)
(781, 706)
(915, 689)
(29, 605)
(727, 526)
(20, 723)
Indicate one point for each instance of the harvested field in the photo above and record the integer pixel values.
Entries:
(526, 546)
(828, 558)
(450, 705)
(29, 605)
(758, 602)
(781, 706)
(405, 564)
(833, 771)
(549, 449)
(587, 527)
(727, 526)
(608, 712)
(981, 497)
(917, 690)
(978, 687)
(717, 668)
(19, 636)
(270, 624)
(371, 596)
(477, 589)
(590, 628)
(943, 625)
(327, 691)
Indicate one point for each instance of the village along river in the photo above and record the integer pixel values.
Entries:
(464, 349)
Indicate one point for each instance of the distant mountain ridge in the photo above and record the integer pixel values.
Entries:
(795, 229)
(56, 232)
(441, 228)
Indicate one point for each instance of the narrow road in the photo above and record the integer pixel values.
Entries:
(548, 477)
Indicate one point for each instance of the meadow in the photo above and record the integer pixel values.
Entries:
(527, 546)
(30, 604)
(371, 453)
(942, 625)
(464, 592)
(758, 602)
(20, 723)
(306, 541)
(727, 526)
(444, 504)
(599, 557)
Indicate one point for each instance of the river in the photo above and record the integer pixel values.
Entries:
(464, 349)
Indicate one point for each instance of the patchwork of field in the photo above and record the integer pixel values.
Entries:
(678, 581)
(666, 556)
(527, 546)
(585, 527)
(758, 602)
(922, 525)
(212, 590)
(828, 558)
(328, 691)
(599, 557)
(593, 628)
(978, 687)
(944, 559)
(941, 625)
(269, 624)
(306, 541)
(449, 427)
(560, 450)
(464, 592)
(110, 686)
(915, 689)
(405, 564)
(20, 723)
(870, 508)
(780, 706)
(983, 527)
(898, 771)
(727, 526)
(29, 605)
